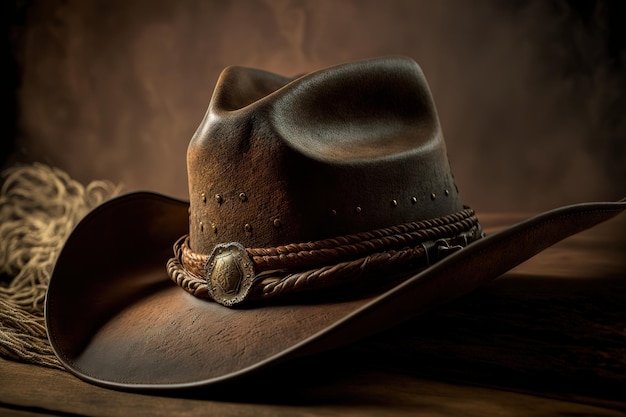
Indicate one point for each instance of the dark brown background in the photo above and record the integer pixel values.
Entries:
(530, 93)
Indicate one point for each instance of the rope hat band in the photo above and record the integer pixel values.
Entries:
(233, 274)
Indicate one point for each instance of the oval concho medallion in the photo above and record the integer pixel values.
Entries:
(229, 273)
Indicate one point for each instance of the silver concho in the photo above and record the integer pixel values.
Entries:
(229, 273)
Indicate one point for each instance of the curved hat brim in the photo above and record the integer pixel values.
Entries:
(114, 317)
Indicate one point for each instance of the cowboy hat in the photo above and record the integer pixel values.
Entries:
(322, 210)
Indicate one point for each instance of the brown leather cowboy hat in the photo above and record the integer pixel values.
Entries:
(322, 210)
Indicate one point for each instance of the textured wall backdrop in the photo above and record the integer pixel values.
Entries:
(530, 94)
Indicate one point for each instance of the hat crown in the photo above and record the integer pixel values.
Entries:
(343, 150)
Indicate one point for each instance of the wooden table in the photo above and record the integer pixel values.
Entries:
(547, 338)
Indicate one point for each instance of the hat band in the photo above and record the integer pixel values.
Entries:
(232, 274)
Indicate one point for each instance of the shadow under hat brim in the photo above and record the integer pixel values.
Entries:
(114, 317)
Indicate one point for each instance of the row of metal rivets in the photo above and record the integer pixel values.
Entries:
(277, 223)
(219, 199)
(394, 203)
(246, 227)
(243, 197)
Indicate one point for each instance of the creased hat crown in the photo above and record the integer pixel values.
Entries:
(343, 150)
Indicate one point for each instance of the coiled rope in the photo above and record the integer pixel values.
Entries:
(39, 206)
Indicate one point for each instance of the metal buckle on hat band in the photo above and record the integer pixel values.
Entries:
(229, 273)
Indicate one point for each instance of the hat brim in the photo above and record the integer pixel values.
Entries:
(114, 317)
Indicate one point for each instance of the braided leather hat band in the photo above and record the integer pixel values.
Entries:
(232, 274)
